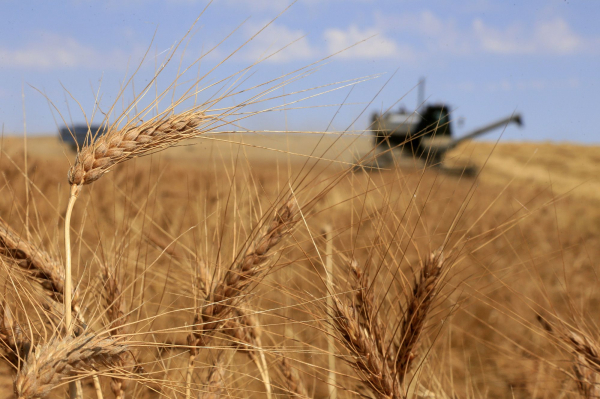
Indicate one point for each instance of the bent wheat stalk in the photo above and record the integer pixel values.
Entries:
(46, 366)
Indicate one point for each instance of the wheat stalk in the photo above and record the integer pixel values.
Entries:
(361, 331)
(116, 146)
(46, 366)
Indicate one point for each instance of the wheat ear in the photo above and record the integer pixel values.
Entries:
(367, 360)
(116, 146)
(240, 275)
(48, 364)
(418, 306)
(15, 342)
(214, 385)
(293, 383)
(586, 366)
(364, 302)
(39, 264)
(244, 330)
(223, 293)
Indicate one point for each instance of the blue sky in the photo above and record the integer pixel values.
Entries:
(485, 59)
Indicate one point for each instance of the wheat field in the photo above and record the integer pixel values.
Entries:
(285, 274)
(177, 254)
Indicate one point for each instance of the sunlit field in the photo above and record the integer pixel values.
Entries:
(399, 282)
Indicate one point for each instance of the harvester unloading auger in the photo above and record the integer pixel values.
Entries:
(424, 136)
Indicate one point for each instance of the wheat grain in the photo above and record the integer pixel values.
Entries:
(39, 264)
(214, 385)
(221, 300)
(108, 150)
(292, 382)
(366, 358)
(16, 343)
(417, 309)
(47, 365)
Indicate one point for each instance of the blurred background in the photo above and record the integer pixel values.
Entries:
(485, 59)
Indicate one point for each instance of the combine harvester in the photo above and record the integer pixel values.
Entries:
(422, 138)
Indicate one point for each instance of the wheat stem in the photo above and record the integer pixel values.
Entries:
(331, 375)
(188, 377)
(97, 387)
(68, 281)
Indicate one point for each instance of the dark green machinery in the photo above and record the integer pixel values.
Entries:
(425, 135)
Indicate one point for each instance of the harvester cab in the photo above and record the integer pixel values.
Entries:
(424, 136)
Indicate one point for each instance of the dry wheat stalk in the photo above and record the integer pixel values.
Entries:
(47, 366)
(117, 146)
(416, 312)
(35, 261)
(220, 302)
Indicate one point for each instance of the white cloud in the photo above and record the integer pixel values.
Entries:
(433, 35)
(549, 35)
(553, 36)
(368, 43)
(270, 42)
(55, 51)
